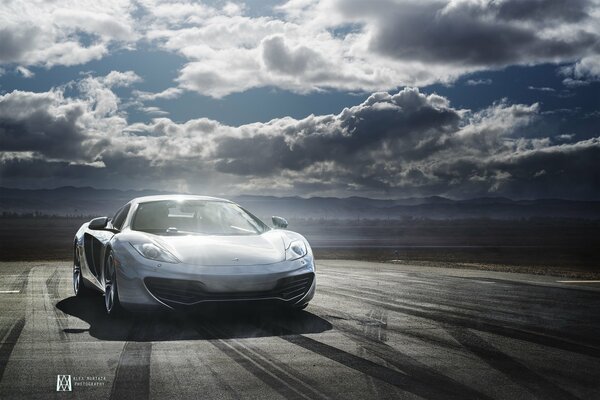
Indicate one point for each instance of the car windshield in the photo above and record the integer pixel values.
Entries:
(172, 217)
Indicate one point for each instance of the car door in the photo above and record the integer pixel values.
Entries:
(95, 242)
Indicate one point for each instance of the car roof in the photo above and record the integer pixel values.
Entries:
(176, 197)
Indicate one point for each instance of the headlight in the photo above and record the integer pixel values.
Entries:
(296, 250)
(154, 252)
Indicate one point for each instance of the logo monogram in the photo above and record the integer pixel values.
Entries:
(63, 383)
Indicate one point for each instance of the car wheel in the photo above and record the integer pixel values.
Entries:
(111, 291)
(79, 287)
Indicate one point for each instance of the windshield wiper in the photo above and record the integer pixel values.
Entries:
(241, 229)
(175, 231)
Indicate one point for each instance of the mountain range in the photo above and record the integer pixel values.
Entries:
(89, 201)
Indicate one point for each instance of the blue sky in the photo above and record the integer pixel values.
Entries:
(158, 69)
(481, 99)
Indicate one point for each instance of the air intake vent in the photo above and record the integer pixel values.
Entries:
(186, 292)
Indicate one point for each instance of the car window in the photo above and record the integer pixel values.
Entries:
(196, 217)
(120, 217)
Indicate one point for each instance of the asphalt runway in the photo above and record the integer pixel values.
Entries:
(373, 331)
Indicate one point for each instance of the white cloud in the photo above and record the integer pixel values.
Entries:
(24, 72)
(477, 82)
(541, 89)
(231, 8)
(107, 26)
(55, 33)
(582, 72)
(170, 93)
(101, 100)
(156, 111)
(120, 79)
(310, 45)
(359, 45)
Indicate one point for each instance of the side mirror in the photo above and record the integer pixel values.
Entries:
(99, 223)
(279, 222)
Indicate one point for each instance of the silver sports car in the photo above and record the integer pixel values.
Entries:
(179, 250)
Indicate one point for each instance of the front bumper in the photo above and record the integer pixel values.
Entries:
(146, 284)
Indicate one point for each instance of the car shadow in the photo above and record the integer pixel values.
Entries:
(220, 321)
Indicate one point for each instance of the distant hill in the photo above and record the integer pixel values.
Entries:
(67, 200)
(89, 201)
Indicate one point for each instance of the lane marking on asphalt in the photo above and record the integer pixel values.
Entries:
(9, 291)
(578, 281)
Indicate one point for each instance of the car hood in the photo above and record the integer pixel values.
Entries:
(210, 250)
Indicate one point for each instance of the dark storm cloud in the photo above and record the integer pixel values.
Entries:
(15, 43)
(478, 33)
(279, 57)
(414, 144)
(42, 133)
(258, 155)
(542, 11)
(75, 139)
(408, 124)
(28, 123)
(569, 171)
(403, 144)
(573, 167)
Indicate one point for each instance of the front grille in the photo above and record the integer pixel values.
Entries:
(188, 292)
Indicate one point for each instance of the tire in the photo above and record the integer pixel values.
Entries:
(111, 291)
(79, 287)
